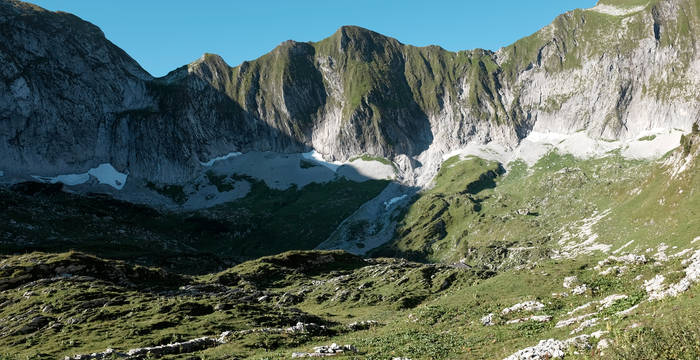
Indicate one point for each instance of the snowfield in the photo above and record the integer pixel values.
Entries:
(104, 173)
(313, 156)
(224, 157)
(648, 145)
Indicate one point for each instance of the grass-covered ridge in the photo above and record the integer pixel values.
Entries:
(479, 216)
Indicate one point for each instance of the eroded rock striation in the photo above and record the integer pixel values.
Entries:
(72, 100)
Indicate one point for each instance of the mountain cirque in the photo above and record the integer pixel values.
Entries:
(356, 92)
(536, 202)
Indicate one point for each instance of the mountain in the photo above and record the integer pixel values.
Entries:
(537, 202)
(614, 71)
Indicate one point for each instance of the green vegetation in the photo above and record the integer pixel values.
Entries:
(222, 182)
(678, 338)
(306, 164)
(268, 221)
(265, 221)
(518, 251)
(366, 157)
(173, 191)
(647, 138)
(480, 217)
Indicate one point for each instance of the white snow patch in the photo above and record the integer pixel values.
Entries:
(68, 179)
(392, 201)
(695, 240)
(490, 151)
(318, 158)
(107, 174)
(219, 158)
(367, 169)
(104, 173)
(658, 142)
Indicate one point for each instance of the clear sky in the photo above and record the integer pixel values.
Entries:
(163, 35)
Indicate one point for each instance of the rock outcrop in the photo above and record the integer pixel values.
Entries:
(71, 100)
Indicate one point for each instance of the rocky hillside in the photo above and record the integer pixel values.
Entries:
(72, 100)
(569, 258)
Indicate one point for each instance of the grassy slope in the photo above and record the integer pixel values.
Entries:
(425, 311)
(264, 222)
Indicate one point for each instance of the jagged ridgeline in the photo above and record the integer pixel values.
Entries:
(614, 70)
(526, 203)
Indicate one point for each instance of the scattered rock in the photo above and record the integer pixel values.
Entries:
(584, 325)
(555, 349)
(524, 306)
(330, 350)
(579, 290)
(34, 324)
(574, 320)
(657, 290)
(570, 281)
(603, 344)
(488, 320)
(535, 318)
(109, 353)
(363, 325)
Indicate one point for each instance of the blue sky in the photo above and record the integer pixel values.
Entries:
(163, 35)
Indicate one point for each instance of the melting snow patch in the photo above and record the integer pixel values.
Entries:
(104, 173)
(227, 156)
(392, 201)
(318, 158)
(107, 174)
(69, 179)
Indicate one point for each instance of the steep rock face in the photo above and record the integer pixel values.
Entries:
(62, 83)
(612, 70)
(73, 100)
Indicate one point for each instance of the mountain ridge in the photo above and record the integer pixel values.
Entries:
(358, 92)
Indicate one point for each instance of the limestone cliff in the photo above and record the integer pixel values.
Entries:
(70, 99)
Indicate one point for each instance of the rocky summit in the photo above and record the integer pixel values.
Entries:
(354, 197)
